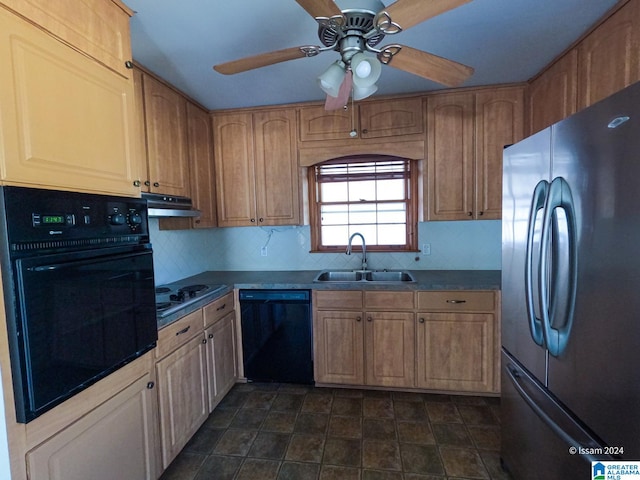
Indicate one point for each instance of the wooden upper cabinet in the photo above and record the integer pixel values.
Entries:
(256, 168)
(200, 148)
(553, 95)
(372, 119)
(96, 27)
(450, 150)
(498, 122)
(166, 133)
(66, 121)
(465, 138)
(609, 58)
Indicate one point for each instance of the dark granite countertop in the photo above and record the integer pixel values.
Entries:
(303, 279)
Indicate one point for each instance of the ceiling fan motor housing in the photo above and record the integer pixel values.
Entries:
(349, 38)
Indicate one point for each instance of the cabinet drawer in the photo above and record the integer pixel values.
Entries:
(217, 309)
(179, 332)
(389, 300)
(337, 299)
(457, 300)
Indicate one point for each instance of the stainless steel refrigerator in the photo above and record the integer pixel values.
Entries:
(571, 293)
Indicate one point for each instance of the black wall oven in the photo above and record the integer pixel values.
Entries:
(77, 272)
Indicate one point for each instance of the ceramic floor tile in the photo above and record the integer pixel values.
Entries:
(271, 431)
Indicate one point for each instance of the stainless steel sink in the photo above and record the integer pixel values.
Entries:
(374, 276)
(389, 276)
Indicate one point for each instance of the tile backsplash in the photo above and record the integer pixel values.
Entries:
(464, 245)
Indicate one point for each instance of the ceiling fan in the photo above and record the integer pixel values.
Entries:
(354, 30)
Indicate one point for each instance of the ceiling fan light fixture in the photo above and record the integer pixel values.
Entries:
(360, 93)
(366, 69)
(332, 78)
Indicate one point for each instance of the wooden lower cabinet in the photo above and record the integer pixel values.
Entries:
(221, 358)
(117, 439)
(389, 349)
(339, 347)
(455, 351)
(182, 393)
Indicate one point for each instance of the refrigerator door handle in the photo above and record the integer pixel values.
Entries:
(554, 416)
(537, 203)
(559, 196)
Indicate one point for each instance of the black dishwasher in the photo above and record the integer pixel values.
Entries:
(276, 335)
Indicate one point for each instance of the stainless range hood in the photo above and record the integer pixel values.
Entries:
(169, 206)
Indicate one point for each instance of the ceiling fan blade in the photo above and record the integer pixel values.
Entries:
(404, 14)
(426, 65)
(320, 8)
(264, 59)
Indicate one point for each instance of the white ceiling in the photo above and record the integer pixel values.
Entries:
(504, 40)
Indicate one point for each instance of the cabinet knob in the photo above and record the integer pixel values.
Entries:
(147, 183)
(253, 220)
(261, 220)
(358, 319)
(210, 335)
(204, 340)
(369, 319)
(480, 213)
(469, 214)
(137, 183)
(365, 131)
(156, 184)
(421, 320)
(128, 64)
(150, 385)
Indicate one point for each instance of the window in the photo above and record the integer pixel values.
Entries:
(372, 195)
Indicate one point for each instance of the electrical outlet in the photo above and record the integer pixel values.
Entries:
(263, 251)
(426, 249)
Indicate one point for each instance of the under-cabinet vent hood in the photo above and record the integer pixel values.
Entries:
(169, 206)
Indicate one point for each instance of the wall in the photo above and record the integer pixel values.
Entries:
(464, 245)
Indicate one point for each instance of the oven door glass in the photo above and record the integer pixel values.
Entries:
(80, 316)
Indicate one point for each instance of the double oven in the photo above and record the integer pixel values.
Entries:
(77, 274)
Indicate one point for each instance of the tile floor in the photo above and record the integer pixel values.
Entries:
(294, 432)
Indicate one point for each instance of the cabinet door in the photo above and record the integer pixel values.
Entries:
(234, 165)
(66, 121)
(553, 95)
(455, 351)
(221, 358)
(182, 394)
(450, 157)
(389, 349)
(166, 129)
(276, 168)
(203, 192)
(498, 122)
(120, 433)
(316, 123)
(387, 118)
(609, 58)
(338, 346)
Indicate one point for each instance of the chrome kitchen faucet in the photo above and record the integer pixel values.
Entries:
(364, 249)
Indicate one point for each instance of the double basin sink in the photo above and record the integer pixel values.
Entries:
(374, 276)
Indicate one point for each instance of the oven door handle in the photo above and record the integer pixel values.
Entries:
(87, 261)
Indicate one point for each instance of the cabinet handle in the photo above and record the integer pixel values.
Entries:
(210, 335)
(369, 319)
(456, 301)
(128, 64)
(221, 307)
(421, 320)
(184, 330)
(156, 184)
(150, 385)
(147, 183)
(358, 319)
(136, 183)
